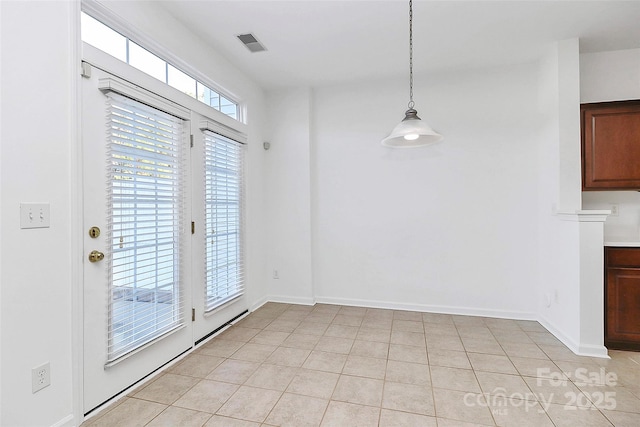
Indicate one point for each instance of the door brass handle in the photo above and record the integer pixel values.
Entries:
(96, 256)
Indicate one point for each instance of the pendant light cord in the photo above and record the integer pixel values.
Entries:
(411, 103)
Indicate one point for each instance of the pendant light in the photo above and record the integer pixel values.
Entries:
(411, 131)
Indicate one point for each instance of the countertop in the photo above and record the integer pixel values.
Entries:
(624, 242)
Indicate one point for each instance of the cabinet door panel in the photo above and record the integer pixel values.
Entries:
(611, 145)
(623, 308)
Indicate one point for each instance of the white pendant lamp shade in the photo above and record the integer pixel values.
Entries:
(411, 132)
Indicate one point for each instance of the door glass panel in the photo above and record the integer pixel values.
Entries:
(223, 219)
(145, 211)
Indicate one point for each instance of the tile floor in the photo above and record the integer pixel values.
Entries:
(328, 365)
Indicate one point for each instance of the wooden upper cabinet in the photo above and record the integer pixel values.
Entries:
(611, 145)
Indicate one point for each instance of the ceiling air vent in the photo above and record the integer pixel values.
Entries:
(251, 43)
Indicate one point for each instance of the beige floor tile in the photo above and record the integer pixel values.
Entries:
(272, 377)
(492, 363)
(304, 341)
(544, 338)
(254, 352)
(334, 345)
(369, 367)
(472, 331)
(233, 371)
(323, 361)
(537, 368)
(408, 398)
(219, 421)
(407, 325)
(206, 396)
(408, 373)
(462, 320)
(448, 358)
(531, 326)
(518, 413)
(379, 350)
(313, 383)
(371, 334)
(342, 331)
(311, 327)
(508, 336)
(269, 337)
(253, 322)
(454, 379)
(622, 419)
(480, 345)
(238, 333)
(379, 313)
(570, 416)
(445, 422)
(363, 391)
(523, 350)
(389, 418)
(377, 323)
(251, 404)
(557, 391)
(408, 353)
(342, 319)
(445, 343)
(129, 413)
(174, 416)
(437, 318)
(407, 315)
(293, 410)
(512, 386)
(342, 414)
(282, 325)
(196, 365)
(408, 338)
(167, 388)
(219, 347)
(286, 356)
(495, 323)
(560, 353)
(352, 311)
(461, 406)
(433, 330)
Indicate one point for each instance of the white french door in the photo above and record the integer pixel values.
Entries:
(149, 298)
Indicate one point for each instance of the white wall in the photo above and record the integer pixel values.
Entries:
(36, 264)
(288, 185)
(449, 228)
(613, 76)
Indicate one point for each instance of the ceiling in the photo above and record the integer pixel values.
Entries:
(314, 43)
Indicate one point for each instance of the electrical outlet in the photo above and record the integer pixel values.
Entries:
(40, 377)
(275, 274)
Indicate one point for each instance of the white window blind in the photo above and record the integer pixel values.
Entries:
(145, 214)
(224, 255)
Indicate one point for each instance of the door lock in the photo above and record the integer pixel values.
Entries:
(94, 232)
(96, 256)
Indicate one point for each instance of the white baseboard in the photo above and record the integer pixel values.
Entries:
(579, 349)
(67, 421)
(441, 309)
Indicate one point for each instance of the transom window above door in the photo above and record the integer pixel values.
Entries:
(121, 47)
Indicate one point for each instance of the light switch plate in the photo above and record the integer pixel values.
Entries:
(34, 215)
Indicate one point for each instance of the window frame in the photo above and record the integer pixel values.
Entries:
(110, 20)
